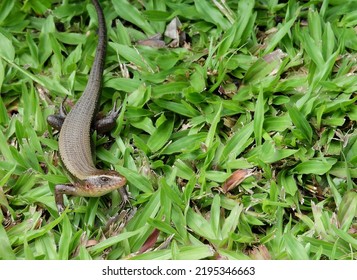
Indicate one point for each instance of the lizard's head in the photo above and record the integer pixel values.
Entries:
(103, 182)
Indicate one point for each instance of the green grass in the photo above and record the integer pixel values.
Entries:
(267, 85)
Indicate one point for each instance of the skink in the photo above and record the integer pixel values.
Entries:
(75, 129)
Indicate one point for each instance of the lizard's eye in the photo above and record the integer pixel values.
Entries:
(104, 179)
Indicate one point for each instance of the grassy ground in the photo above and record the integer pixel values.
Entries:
(239, 142)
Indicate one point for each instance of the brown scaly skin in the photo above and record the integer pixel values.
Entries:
(74, 137)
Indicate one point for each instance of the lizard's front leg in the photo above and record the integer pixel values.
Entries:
(60, 190)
